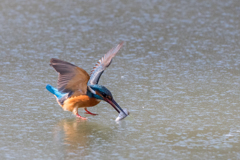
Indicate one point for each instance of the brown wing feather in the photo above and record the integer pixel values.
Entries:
(71, 77)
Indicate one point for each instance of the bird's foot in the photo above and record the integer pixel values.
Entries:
(83, 118)
(88, 112)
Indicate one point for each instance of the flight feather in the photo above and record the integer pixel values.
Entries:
(102, 64)
(71, 78)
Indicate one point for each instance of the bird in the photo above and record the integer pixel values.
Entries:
(77, 89)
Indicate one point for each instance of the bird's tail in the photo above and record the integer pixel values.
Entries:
(54, 91)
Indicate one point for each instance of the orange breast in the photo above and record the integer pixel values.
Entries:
(80, 101)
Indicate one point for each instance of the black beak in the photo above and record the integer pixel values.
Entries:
(115, 105)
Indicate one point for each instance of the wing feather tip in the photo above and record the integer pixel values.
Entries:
(52, 59)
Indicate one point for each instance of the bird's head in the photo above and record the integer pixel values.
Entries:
(102, 93)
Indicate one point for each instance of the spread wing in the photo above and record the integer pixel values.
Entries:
(71, 78)
(102, 64)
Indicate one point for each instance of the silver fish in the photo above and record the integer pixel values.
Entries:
(122, 115)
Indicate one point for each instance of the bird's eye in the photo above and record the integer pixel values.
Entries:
(104, 95)
(109, 97)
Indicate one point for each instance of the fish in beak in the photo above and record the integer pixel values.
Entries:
(123, 113)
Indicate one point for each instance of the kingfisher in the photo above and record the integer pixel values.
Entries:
(77, 89)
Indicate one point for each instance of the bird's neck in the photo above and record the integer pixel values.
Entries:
(91, 95)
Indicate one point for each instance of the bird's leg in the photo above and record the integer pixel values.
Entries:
(83, 118)
(75, 111)
(88, 112)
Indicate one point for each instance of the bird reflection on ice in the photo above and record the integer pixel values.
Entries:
(78, 136)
